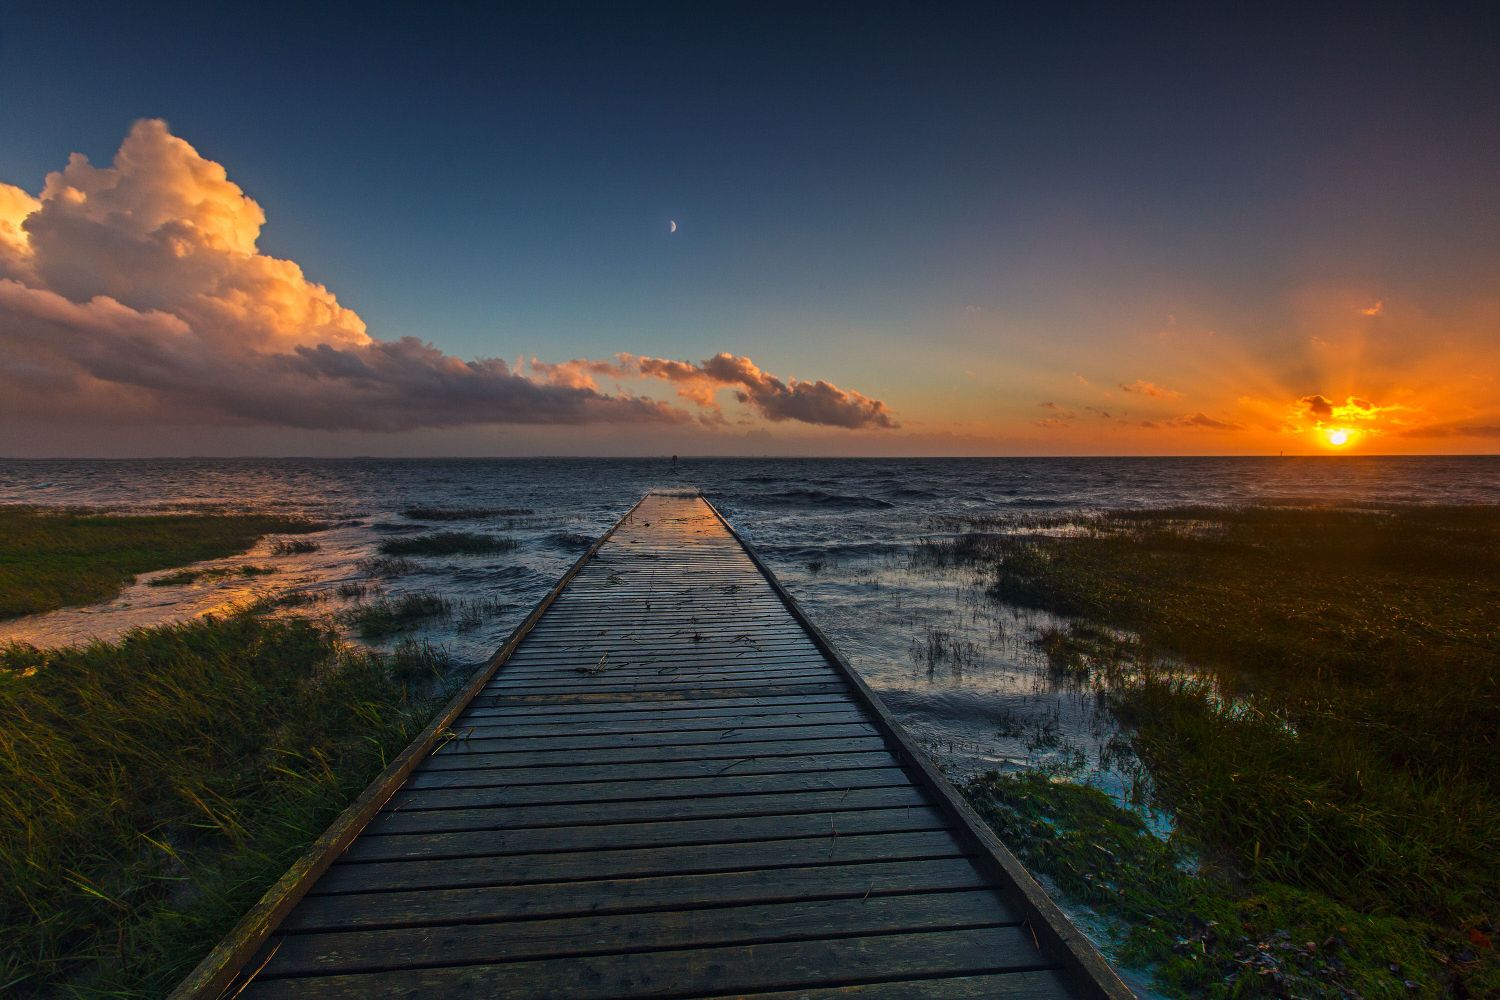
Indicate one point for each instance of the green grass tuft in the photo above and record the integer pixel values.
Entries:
(392, 615)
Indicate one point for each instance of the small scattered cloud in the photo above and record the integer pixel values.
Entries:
(1318, 406)
(1151, 389)
(1374, 309)
(1060, 416)
(1193, 421)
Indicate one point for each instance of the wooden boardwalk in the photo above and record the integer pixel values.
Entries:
(669, 786)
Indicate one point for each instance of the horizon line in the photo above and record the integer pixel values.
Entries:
(668, 456)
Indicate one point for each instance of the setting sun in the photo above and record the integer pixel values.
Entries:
(1337, 437)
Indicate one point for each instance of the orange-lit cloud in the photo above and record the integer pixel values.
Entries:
(1145, 388)
(773, 398)
(1320, 410)
(816, 402)
(139, 287)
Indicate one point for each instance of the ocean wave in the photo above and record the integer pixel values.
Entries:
(570, 540)
(821, 499)
(836, 550)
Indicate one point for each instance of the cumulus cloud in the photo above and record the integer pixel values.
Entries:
(1150, 389)
(139, 287)
(15, 247)
(378, 385)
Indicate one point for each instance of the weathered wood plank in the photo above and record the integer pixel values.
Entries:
(756, 923)
(670, 892)
(573, 773)
(375, 846)
(582, 813)
(731, 705)
(647, 788)
(583, 681)
(618, 713)
(683, 694)
(455, 755)
(477, 728)
(719, 735)
(1004, 986)
(616, 664)
(739, 968)
(576, 866)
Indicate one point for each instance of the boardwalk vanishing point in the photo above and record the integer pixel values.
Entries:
(666, 784)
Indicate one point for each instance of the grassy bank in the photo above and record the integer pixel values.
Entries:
(152, 789)
(59, 558)
(1201, 931)
(1335, 752)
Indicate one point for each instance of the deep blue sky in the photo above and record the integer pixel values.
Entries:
(854, 184)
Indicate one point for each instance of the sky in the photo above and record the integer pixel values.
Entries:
(899, 230)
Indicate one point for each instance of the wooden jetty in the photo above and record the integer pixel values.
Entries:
(666, 784)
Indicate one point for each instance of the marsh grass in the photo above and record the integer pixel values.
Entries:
(186, 576)
(294, 546)
(413, 662)
(55, 558)
(1337, 740)
(393, 615)
(447, 543)
(153, 788)
(938, 647)
(353, 590)
(387, 566)
(474, 612)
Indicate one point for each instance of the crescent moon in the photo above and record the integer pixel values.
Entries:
(671, 225)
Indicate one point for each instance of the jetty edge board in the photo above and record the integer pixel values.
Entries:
(667, 783)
